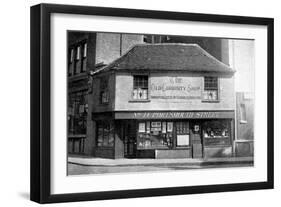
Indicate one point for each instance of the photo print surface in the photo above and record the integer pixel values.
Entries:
(148, 102)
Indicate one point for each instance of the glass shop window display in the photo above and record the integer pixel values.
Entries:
(154, 134)
(216, 129)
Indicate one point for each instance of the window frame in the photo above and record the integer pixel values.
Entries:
(218, 89)
(103, 124)
(84, 51)
(133, 88)
(77, 61)
(104, 90)
(227, 140)
(74, 103)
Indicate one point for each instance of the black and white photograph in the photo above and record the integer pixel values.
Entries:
(139, 103)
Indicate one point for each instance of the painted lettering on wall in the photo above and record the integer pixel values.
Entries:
(175, 88)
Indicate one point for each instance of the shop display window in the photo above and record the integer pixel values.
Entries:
(77, 112)
(216, 132)
(105, 134)
(153, 135)
(140, 90)
(211, 88)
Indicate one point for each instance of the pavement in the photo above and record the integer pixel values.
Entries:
(102, 162)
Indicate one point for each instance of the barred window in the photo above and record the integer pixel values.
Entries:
(210, 92)
(140, 90)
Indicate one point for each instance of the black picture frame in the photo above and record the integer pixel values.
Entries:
(40, 102)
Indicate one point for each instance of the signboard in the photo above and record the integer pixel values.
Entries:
(183, 140)
(176, 88)
(176, 115)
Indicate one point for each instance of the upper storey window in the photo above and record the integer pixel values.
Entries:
(140, 90)
(104, 93)
(77, 58)
(211, 88)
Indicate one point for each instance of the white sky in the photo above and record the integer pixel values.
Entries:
(241, 58)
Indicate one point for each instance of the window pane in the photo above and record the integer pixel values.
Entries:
(85, 50)
(84, 64)
(216, 129)
(71, 55)
(140, 90)
(78, 53)
(210, 88)
(140, 81)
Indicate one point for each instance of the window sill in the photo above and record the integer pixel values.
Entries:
(139, 100)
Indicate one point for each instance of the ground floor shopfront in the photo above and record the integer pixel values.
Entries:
(164, 134)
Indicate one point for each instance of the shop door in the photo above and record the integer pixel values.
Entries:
(130, 143)
(196, 137)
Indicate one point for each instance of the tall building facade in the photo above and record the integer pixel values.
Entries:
(88, 52)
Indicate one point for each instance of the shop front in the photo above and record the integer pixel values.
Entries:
(166, 134)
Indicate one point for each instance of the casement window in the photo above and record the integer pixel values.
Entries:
(84, 58)
(77, 63)
(104, 94)
(211, 89)
(140, 87)
(77, 60)
(105, 134)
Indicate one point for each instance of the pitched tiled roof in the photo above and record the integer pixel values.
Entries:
(168, 56)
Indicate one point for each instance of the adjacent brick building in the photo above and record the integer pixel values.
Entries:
(88, 51)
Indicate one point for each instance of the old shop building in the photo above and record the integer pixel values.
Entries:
(163, 101)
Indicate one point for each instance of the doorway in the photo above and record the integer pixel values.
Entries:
(130, 142)
(196, 137)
